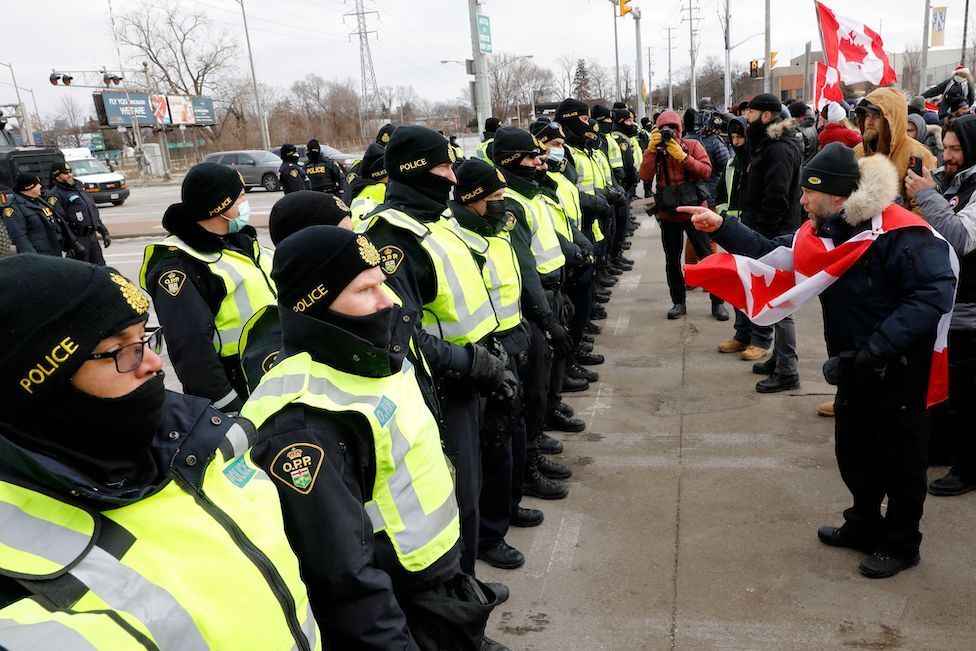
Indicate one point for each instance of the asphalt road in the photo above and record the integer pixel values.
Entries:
(691, 521)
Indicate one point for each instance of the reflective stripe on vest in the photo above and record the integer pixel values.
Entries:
(545, 244)
(482, 150)
(585, 170)
(560, 220)
(636, 152)
(730, 169)
(614, 155)
(248, 287)
(413, 495)
(502, 275)
(603, 164)
(569, 198)
(461, 312)
(367, 200)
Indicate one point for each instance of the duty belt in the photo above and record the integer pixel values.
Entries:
(83, 230)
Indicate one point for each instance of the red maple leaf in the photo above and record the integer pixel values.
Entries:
(763, 293)
(854, 52)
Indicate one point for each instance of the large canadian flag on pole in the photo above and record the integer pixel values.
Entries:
(854, 49)
(827, 86)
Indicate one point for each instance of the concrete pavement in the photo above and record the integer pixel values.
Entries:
(691, 521)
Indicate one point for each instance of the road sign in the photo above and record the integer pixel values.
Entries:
(484, 34)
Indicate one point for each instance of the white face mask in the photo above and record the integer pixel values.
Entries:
(958, 78)
(557, 153)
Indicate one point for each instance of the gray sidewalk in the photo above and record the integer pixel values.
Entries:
(691, 521)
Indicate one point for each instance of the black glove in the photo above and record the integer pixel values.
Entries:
(614, 195)
(838, 367)
(869, 366)
(106, 239)
(508, 388)
(557, 335)
(487, 371)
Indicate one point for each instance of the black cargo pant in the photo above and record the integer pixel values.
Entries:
(673, 242)
(881, 451)
(535, 374)
(460, 405)
(962, 395)
(93, 252)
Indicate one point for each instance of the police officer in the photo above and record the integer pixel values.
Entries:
(79, 212)
(348, 432)
(382, 138)
(432, 270)
(207, 279)
(33, 225)
(6, 245)
(458, 152)
(368, 189)
(120, 531)
(484, 147)
(480, 211)
(291, 176)
(323, 173)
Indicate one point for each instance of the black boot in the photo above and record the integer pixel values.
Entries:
(584, 347)
(592, 329)
(601, 298)
(561, 422)
(776, 383)
(588, 338)
(553, 469)
(504, 557)
(574, 385)
(566, 409)
(549, 445)
(765, 368)
(598, 313)
(621, 260)
(588, 358)
(719, 312)
(537, 485)
(677, 311)
(524, 517)
(577, 371)
(613, 270)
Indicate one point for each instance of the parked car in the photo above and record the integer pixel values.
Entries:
(104, 185)
(344, 160)
(259, 168)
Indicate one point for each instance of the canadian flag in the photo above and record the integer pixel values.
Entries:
(778, 284)
(827, 86)
(854, 49)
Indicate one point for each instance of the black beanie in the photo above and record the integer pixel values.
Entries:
(289, 151)
(621, 115)
(766, 102)
(384, 134)
(600, 112)
(570, 108)
(372, 166)
(512, 144)
(313, 147)
(416, 150)
(619, 105)
(832, 171)
(25, 181)
(60, 168)
(955, 103)
(313, 266)
(302, 209)
(646, 122)
(545, 130)
(492, 124)
(476, 180)
(53, 313)
(798, 110)
(210, 189)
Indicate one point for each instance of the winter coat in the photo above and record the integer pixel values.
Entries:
(893, 141)
(771, 201)
(695, 167)
(837, 132)
(949, 89)
(891, 300)
(807, 128)
(33, 226)
(718, 154)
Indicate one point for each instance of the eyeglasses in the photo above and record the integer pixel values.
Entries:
(129, 357)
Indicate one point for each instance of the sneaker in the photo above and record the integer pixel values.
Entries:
(776, 383)
(826, 409)
(553, 469)
(549, 445)
(880, 565)
(732, 346)
(581, 372)
(752, 353)
(504, 557)
(589, 358)
(764, 368)
(951, 485)
(524, 517)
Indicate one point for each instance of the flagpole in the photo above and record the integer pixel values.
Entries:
(925, 49)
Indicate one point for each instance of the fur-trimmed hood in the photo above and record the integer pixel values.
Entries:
(776, 130)
(877, 187)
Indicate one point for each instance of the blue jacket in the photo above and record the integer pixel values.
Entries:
(891, 299)
(718, 153)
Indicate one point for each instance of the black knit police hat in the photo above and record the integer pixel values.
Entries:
(492, 124)
(416, 150)
(384, 134)
(766, 102)
(832, 171)
(546, 130)
(512, 144)
(570, 108)
(600, 112)
(60, 168)
(313, 266)
(53, 313)
(25, 182)
(313, 146)
(210, 189)
(289, 150)
(476, 180)
(373, 165)
(299, 210)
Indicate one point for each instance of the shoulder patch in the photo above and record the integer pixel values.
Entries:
(294, 172)
(297, 466)
(350, 177)
(510, 220)
(623, 146)
(52, 200)
(390, 259)
(172, 281)
(7, 212)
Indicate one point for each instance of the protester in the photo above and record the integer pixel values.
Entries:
(960, 85)
(806, 126)
(929, 135)
(837, 127)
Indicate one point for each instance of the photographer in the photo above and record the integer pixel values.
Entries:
(680, 168)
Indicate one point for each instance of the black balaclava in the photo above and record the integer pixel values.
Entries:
(313, 150)
(511, 146)
(410, 155)
(568, 115)
(289, 153)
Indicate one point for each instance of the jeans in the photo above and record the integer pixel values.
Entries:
(673, 243)
(784, 346)
(748, 332)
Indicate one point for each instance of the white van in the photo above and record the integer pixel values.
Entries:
(101, 183)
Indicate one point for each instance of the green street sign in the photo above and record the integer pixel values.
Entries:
(484, 34)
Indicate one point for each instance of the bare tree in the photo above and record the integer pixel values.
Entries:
(564, 75)
(601, 81)
(911, 68)
(67, 124)
(186, 55)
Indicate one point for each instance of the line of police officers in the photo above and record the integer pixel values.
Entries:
(406, 374)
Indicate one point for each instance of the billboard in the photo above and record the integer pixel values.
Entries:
(203, 111)
(181, 109)
(160, 109)
(119, 109)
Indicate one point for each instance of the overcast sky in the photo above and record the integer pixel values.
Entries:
(292, 38)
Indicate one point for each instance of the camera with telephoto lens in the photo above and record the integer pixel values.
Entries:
(667, 133)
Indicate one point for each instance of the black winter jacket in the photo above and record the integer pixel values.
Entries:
(771, 202)
(33, 226)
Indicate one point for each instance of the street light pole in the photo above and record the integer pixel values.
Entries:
(27, 127)
(482, 99)
(265, 136)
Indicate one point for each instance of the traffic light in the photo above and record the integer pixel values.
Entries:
(625, 7)
(753, 69)
(108, 79)
(772, 59)
(55, 78)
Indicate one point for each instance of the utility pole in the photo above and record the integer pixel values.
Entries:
(163, 140)
(726, 29)
(616, 51)
(370, 91)
(481, 97)
(25, 121)
(925, 48)
(807, 92)
(768, 68)
(670, 85)
(639, 70)
(262, 118)
(965, 26)
(650, 83)
(691, 53)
